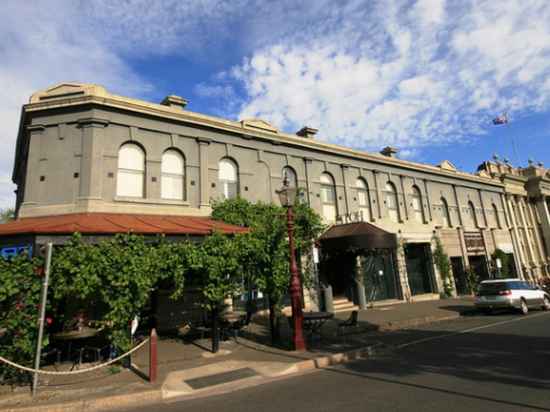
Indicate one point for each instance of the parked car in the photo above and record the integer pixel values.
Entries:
(510, 294)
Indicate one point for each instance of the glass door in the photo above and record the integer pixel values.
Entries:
(379, 277)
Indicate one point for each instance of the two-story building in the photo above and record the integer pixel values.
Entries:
(102, 163)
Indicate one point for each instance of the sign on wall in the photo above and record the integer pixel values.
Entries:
(474, 242)
(350, 218)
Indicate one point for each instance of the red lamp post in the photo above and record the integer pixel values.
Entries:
(287, 196)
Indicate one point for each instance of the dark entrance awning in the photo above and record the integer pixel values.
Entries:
(360, 235)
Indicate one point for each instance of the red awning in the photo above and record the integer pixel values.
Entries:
(111, 223)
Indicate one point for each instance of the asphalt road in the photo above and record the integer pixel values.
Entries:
(481, 363)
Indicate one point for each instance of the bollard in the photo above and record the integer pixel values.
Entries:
(153, 364)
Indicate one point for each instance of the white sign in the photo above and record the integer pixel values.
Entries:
(315, 255)
(350, 217)
(499, 263)
(506, 247)
(135, 323)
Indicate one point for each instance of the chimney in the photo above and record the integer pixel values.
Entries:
(307, 132)
(389, 151)
(174, 101)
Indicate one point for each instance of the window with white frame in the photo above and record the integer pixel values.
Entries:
(290, 176)
(391, 202)
(417, 208)
(228, 179)
(363, 198)
(445, 215)
(131, 171)
(172, 180)
(328, 198)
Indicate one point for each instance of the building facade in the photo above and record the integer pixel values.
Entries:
(81, 149)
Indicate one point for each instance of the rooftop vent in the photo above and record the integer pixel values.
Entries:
(307, 132)
(389, 151)
(174, 101)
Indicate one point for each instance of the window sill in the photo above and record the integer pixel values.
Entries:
(125, 199)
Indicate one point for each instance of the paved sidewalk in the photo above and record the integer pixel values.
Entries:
(190, 369)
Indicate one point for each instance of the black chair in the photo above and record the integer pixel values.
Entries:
(350, 323)
(50, 353)
(233, 328)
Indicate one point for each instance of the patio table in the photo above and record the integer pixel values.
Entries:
(314, 321)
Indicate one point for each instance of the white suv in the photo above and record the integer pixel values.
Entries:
(511, 294)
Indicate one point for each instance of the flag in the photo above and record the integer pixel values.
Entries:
(502, 119)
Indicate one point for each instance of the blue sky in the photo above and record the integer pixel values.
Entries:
(425, 76)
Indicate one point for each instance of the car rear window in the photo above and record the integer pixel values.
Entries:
(493, 288)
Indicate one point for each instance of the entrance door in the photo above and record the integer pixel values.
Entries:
(479, 266)
(338, 270)
(459, 276)
(379, 277)
(418, 260)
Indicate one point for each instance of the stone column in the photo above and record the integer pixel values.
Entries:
(309, 188)
(525, 225)
(31, 175)
(459, 211)
(536, 234)
(359, 284)
(91, 162)
(465, 261)
(483, 211)
(204, 201)
(516, 240)
(401, 264)
(347, 191)
(404, 216)
(428, 201)
(379, 199)
(544, 213)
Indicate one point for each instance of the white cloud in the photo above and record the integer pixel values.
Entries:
(408, 74)
(39, 47)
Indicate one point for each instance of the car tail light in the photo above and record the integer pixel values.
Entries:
(505, 292)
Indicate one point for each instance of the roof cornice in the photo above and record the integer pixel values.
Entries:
(234, 127)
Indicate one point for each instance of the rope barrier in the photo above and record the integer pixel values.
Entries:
(43, 372)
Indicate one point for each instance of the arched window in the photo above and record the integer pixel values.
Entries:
(290, 176)
(363, 198)
(328, 197)
(472, 212)
(445, 215)
(172, 182)
(131, 171)
(497, 217)
(391, 202)
(417, 208)
(228, 178)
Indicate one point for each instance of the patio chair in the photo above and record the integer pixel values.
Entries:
(350, 323)
(47, 355)
(235, 327)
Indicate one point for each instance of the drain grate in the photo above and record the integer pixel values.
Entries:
(219, 378)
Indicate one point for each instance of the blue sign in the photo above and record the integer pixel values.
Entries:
(10, 251)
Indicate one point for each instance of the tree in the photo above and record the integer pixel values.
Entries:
(214, 267)
(20, 286)
(115, 276)
(443, 266)
(264, 251)
(7, 215)
(504, 261)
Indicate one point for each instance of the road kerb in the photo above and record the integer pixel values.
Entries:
(152, 396)
(97, 404)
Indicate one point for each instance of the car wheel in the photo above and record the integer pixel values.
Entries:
(523, 307)
(546, 303)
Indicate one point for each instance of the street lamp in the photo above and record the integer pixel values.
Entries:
(287, 196)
